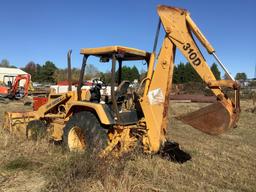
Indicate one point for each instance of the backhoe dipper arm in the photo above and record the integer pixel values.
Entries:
(205, 43)
(213, 119)
(179, 26)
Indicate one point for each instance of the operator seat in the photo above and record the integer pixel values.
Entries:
(95, 93)
(130, 116)
(9, 84)
(121, 91)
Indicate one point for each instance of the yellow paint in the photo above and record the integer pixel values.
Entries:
(154, 102)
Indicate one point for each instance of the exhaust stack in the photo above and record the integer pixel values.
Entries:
(69, 70)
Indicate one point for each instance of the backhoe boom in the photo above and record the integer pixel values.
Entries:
(213, 119)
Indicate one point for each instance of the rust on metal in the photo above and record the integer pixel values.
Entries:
(16, 122)
(213, 119)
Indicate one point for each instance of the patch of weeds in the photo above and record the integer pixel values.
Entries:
(81, 169)
(20, 163)
(194, 152)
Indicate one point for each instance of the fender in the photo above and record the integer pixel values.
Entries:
(101, 110)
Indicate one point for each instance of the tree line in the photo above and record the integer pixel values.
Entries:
(184, 73)
(49, 73)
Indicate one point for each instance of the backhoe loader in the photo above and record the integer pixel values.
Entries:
(131, 117)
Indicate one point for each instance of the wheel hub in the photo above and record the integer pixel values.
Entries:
(76, 140)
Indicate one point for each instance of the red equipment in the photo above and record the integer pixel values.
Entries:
(13, 90)
(38, 102)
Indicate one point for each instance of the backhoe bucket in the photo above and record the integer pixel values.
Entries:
(213, 119)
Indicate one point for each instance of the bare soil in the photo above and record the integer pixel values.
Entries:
(220, 163)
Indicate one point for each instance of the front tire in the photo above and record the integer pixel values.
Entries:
(83, 132)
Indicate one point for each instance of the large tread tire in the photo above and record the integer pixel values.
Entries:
(94, 134)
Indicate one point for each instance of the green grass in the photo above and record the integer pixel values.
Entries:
(19, 163)
(22, 163)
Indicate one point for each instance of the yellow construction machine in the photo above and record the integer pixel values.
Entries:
(82, 120)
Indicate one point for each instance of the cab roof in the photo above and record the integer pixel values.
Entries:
(122, 52)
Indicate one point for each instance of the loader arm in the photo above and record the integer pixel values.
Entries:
(214, 119)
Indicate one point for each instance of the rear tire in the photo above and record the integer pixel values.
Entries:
(83, 132)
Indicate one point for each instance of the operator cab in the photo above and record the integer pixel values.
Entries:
(8, 80)
(124, 101)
